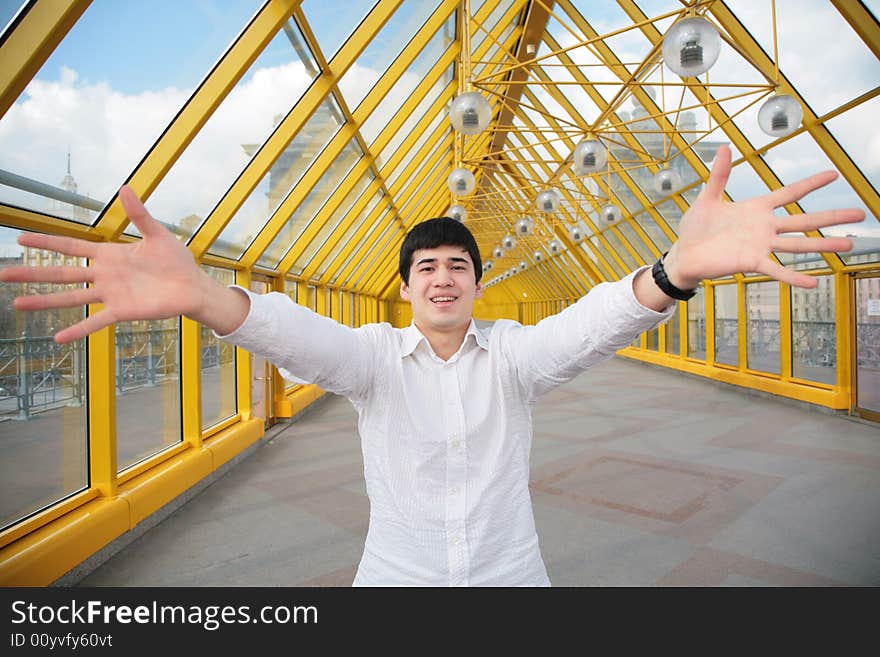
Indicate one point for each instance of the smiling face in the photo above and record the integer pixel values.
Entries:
(442, 288)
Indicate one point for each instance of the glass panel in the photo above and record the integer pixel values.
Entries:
(147, 389)
(600, 265)
(672, 344)
(868, 343)
(621, 250)
(290, 289)
(638, 244)
(696, 329)
(354, 226)
(856, 132)
(646, 221)
(62, 136)
(762, 335)
(331, 26)
(358, 251)
(309, 207)
(651, 338)
(383, 49)
(386, 153)
(278, 182)
(841, 57)
(391, 233)
(813, 332)
(387, 109)
(42, 393)
(331, 223)
(479, 31)
(233, 134)
(218, 366)
(414, 118)
(800, 157)
(726, 333)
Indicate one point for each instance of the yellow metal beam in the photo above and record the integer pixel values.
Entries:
(225, 75)
(24, 51)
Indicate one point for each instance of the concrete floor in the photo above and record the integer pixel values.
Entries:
(640, 477)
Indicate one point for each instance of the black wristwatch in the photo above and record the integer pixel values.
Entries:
(663, 283)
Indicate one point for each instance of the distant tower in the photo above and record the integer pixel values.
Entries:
(68, 210)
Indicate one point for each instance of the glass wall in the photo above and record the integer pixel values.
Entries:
(813, 332)
(696, 330)
(726, 330)
(218, 366)
(147, 385)
(762, 330)
(43, 446)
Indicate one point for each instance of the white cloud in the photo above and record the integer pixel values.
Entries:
(108, 133)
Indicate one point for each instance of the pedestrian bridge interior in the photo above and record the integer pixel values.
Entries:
(290, 144)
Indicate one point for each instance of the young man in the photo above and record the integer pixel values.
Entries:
(444, 407)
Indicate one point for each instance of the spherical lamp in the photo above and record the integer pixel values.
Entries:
(470, 113)
(576, 234)
(548, 201)
(498, 252)
(554, 246)
(609, 212)
(666, 181)
(691, 46)
(487, 266)
(508, 242)
(537, 256)
(523, 265)
(780, 115)
(457, 212)
(524, 226)
(590, 156)
(461, 182)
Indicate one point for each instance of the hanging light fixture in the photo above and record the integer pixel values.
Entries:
(523, 265)
(576, 234)
(554, 246)
(548, 201)
(666, 181)
(487, 266)
(590, 156)
(508, 242)
(537, 256)
(457, 212)
(470, 113)
(780, 115)
(461, 181)
(524, 226)
(691, 46)
(498, 252)
(609, 212)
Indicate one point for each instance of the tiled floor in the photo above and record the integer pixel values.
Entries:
(640, 477)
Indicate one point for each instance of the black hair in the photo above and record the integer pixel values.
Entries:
(440, 231)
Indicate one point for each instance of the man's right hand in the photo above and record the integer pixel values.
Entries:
(154, 278)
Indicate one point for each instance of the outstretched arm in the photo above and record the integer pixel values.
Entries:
(719, 238)
(154, 278)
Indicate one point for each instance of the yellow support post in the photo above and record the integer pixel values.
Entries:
(191, 381)
(102, 407)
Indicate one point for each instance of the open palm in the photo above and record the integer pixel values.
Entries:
(154, 278)
(720, 238)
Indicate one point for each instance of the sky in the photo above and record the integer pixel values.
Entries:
(106, 94)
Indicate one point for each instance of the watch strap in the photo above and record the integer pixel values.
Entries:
(664, 284)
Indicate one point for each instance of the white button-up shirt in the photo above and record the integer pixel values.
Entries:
(446, 443)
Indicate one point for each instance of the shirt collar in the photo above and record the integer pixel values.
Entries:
(412, 337)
